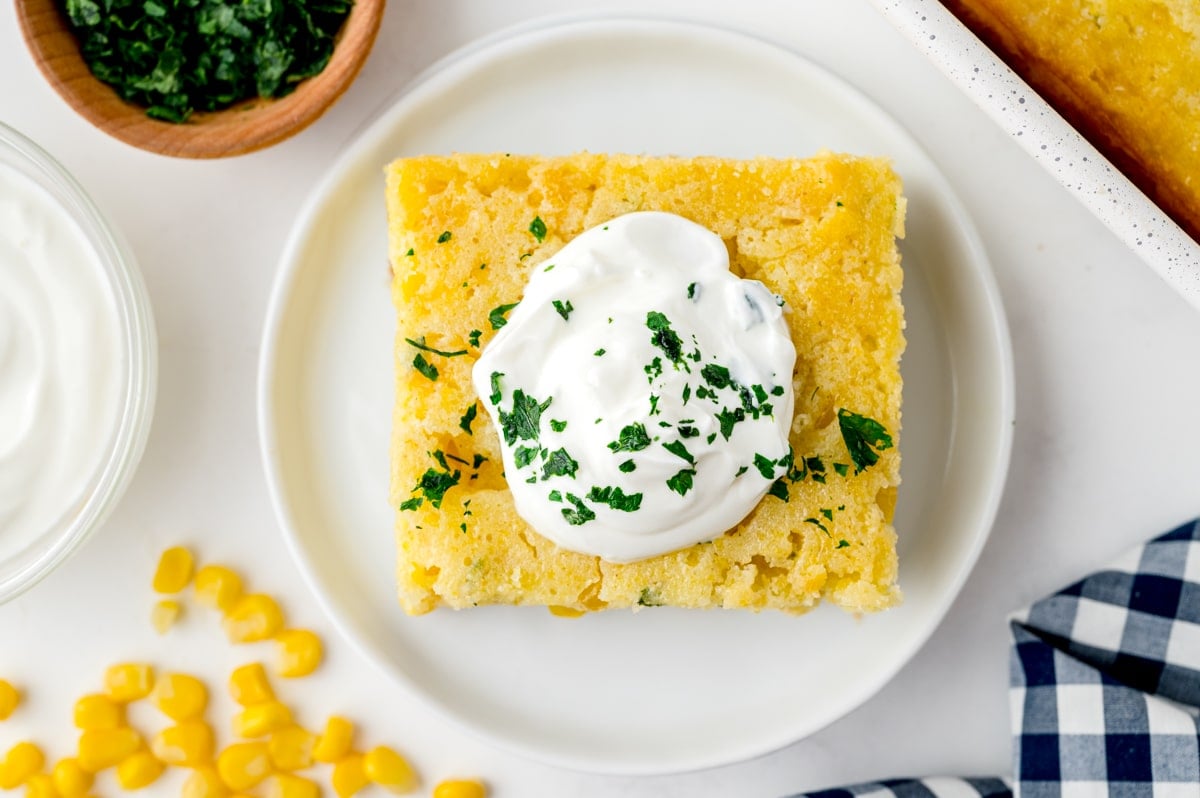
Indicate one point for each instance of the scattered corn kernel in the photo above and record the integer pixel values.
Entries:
(174, 570)
(187, 744)
(291, 748)
(336, 740)
(204, 782)
(389, 770)
(104, 748)
(285, 785)
(165, 614)
(460, 788)
(97, 712)
(299, 652)
(243, 765)
(128, 682)
(218, 587)
(70, 779)
(259, 720)
(139, 770)
(179, 696)
(253, 618)
(10, 697)
(349, 775)
(560, 611)
(22, 761)
(248, 685)
(40, 785)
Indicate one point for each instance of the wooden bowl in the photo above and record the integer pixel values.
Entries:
(242, 128)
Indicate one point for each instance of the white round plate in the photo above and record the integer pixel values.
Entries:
(663, 690)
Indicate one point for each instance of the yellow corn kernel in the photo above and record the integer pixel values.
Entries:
(128, 682)
(187, 744)
(285, 785)
(249, 685)
(253, 618)
(103, 748)
(40, 785)
(260, 720)
(204, 782)
(334, 743)
(174, 570)
(291, 748)
(10, 697)
(139, 770)
(243, 765)
(349, 775)
(218, 587)
(389, 770)
(179, 696)
(70, 779)
(560, 611)
(22, 761)
(299, 652)
(460, 788)
(165, 614)
(98, 712)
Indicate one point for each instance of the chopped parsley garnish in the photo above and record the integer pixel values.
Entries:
(564, 308)
(759, 393)
(816, 523)
(425, 367)
(599, 352)
(468, 417)
(864, 438)
(654, 404)
(175, 58)
(688, 432)
(420, 344)
(664, 337)
(538, 228)
(717, 376)
(559, 464)
(497, 315)
(477, 461)
(522, 423)
(653, 369)
(495, 396)
(616, 498)
(524, 455)
(843, 543)
(548, 267)
(777, 390)
(687, 392)
(433, 484)
(825, 511)
(473, 338)
(779, 490)
(841, 468)
(691, 291)
(681, 483)
(555, 496)
(742, 470)
(765, 466)
(679, 450)
(410, 253)
(444, 237)
(411, 504)
(727, 418)
(581, 514)
(633, 438)
(649, 598)
(627, 466)
(558, 426)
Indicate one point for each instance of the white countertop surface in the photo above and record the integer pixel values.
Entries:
(1107, 371)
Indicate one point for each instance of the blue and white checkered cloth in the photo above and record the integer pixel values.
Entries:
(1104, 687)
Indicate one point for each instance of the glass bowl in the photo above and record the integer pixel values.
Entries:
(24, 563)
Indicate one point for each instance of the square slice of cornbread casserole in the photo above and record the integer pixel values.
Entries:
(465, 233)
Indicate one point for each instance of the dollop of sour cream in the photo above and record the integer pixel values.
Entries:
(643, 392)
(61, 371)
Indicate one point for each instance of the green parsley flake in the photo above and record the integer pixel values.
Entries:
(497, 315)
(679, 450)
(841, 468)
(522, 423)
(555, 496)
(559, 464)
(627, 467)
(633, 438)
(467, 418)
(558, 426)
(411, 504)
(765, 466)
(581, 514)
(664, 337)
(524, 455)
(616, 498)
(843, 543)
(564, 308)
(817, 523)
(681, 483)
(716, 375)
(779, 490)
(649, 598)
(420, 344)
(425, 367)
(691, 291)
(410, 253)
(495, 396)
(473, 338)
(825, 511)
(864, 438)
(538, 228)
(599, 352)
(433, 484)
(444, 237)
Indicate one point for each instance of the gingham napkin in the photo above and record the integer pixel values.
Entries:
(1104, 687)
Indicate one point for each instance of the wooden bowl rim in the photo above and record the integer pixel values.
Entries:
(242, 128)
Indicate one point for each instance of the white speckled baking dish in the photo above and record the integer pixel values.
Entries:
(1054, 143)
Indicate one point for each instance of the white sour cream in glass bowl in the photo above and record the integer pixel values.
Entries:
(78, 365)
